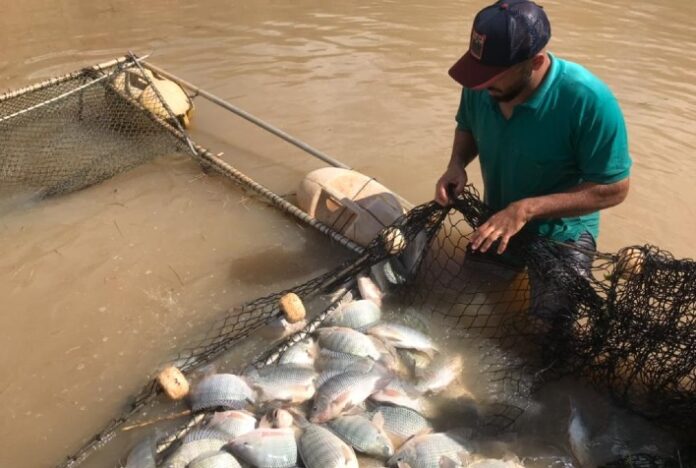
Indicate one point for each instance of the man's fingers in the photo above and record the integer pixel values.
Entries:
(480, 235)
(489, 241)
(503, 244)
(441, 194)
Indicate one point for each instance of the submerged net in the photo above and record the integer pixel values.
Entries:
(73, 132)
(627, 323)
(630, 329)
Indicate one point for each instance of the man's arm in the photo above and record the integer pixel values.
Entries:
(585, 198)
(464, 151)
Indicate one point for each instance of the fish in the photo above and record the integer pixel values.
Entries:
(143, 454)
(206, 433)
(364, 434)
(294, 384)
(233, 423)
(221, 391)
(579, 438)
(399, 392)
(219, 459)
(369, 290)
(189, 451)
(266, 448)
(302, 353)
(331, 360)
(441, 372)
(321, 448)
(415, 361)
(276, 418)
(357, 315)
(347, 340)
(345, 391)
(402, 423)
(491, 463)
(401, 336)
(389, 357)
(427, 450)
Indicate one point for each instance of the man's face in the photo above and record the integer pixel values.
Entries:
(512, 83)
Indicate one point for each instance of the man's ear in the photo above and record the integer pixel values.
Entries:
(538, 60)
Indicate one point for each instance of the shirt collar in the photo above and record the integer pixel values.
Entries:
(540, 93)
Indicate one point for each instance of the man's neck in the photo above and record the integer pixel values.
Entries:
(536, 81)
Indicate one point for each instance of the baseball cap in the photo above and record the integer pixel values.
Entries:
(503, 34)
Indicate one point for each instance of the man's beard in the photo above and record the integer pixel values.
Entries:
(516, 90)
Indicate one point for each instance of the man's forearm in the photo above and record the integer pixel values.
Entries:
(464, 149)
(580, 200)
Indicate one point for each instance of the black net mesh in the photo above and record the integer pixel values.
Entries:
(624, 322)
(627, 326)
(74, 132)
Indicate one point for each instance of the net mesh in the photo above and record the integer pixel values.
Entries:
(626, 324)
(75, 132)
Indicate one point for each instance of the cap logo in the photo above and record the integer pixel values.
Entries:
(476, 45)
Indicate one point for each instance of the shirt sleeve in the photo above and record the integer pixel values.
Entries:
(464, 113)
(602, 141)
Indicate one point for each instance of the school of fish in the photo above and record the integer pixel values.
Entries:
(353, 393)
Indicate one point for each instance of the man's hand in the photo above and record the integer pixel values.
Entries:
(454, 177)
(502, 225)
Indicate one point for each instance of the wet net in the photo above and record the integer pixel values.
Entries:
(625, 322)
(78, 130)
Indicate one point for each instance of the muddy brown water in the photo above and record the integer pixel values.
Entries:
(100, 286)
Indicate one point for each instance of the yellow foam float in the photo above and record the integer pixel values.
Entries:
(139, 86)
(352, 203)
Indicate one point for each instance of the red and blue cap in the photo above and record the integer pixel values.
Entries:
(504, 34)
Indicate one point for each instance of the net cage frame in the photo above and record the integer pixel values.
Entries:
(624, 288)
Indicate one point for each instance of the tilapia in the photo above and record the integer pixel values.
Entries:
(219, 459)
(415, 361)
(206, 433)
(302, 353)
(266, 448)
(143, 454)
(389, 357)
(344, 391)
(221, 391)
(402, 423)
(320, 448)
(364, 434)
(493, 463)
(401, 393)
(441, 372)
(369, 290)
(233, 423)
(347, 340)
(280, 328)
(189, 451)
(401, 336)
(276, 418)
(427, 451)
(331, 360)
(294, 384)
(356, 315)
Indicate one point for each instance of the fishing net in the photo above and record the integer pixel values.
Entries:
(78, 130)
(624, 322)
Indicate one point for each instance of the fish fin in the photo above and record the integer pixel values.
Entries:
(378, 420)
(447, 462)
(402, 465)
(348, 453)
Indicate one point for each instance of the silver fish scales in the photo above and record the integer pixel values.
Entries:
(428, 451)
(357, 315)
(221, 391)
(320, 448)
(233, 423)
(266, 448)
(363, 434)
(347, 340)
(345, 391)
(218, 459)
(284, 383)
(402, 423)
(191, 450)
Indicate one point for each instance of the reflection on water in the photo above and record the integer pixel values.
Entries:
(102, 285)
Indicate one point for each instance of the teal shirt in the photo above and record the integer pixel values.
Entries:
(571, 130)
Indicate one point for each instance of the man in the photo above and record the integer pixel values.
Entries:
(550, 136)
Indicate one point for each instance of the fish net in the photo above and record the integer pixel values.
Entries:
(626, 323)
(78, 130)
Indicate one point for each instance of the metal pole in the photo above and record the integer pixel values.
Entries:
(251, 118)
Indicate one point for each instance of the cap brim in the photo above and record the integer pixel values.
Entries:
(471, 73)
